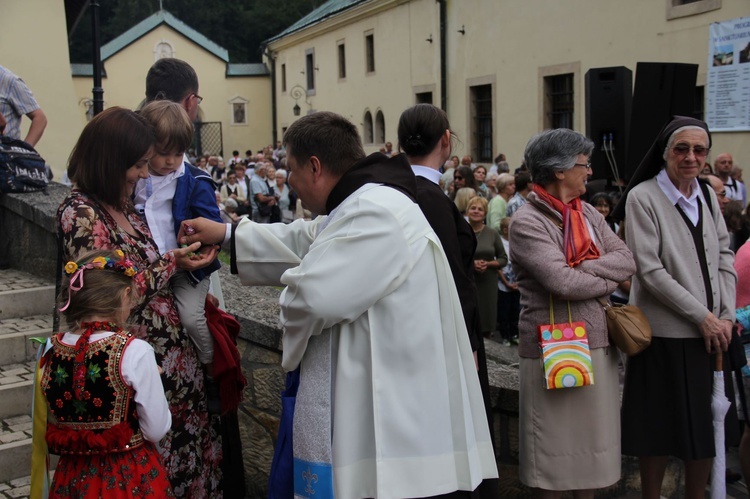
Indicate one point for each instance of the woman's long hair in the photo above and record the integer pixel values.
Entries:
(112, 142)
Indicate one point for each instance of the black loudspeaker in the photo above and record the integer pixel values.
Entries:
(609, 92)
(662, 89)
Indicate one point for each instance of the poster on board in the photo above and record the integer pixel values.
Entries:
(728, 83)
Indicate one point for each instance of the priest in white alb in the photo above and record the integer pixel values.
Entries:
(389, 404)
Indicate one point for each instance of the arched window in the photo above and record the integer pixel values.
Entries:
(379, 128)
(367, 131)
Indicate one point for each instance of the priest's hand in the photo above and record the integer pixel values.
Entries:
(201, 230)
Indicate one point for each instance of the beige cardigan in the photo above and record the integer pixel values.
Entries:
(668, 285)
(536, 252)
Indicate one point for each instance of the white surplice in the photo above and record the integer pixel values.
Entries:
(372, 316)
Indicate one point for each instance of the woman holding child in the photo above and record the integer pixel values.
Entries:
(110, 157)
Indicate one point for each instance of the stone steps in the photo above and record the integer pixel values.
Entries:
(26, 304)
(15, 447)
(23, 295)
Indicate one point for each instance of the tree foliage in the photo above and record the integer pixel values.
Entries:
(240, 26)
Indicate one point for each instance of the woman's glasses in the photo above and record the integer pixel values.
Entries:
(684, 150)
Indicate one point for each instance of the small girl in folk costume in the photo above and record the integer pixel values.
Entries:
(107, 408)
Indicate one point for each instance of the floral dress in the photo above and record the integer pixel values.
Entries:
(192, 450)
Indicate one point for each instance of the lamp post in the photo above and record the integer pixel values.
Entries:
(297, 92)
(97, 91)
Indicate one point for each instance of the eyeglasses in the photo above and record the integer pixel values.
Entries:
(722, 194)
(198, 98)
(457, 177)
(584, 165)
(684, 150)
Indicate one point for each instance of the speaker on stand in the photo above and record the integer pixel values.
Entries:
(662, 90)
(608, 103)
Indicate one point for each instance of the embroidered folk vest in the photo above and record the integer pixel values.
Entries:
(105, 419)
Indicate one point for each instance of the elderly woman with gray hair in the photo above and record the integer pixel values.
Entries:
(685, 285)
(566, 257)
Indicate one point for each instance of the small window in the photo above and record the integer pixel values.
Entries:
(379, 128)
(481, 122)
(342, 60)
(283, 77)
(367, 128)
(559, 101)
(310, 68)
(424, 98)
(684, 8)
(370, 52)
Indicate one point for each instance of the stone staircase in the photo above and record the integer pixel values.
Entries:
(26, 304)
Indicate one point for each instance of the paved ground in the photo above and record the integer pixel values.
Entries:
(736, 490)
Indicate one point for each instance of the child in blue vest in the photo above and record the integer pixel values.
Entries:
(174, 192)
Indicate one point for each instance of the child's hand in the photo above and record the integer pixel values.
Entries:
(195, 257)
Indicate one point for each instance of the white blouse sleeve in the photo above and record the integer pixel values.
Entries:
(140, 371)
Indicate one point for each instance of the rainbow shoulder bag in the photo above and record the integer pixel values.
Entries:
(565, 354)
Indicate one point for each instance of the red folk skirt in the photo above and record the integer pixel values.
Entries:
(136, 473)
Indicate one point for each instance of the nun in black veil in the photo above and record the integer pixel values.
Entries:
(685, 284)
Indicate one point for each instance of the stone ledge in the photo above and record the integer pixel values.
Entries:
(37, 207)
(27, 230)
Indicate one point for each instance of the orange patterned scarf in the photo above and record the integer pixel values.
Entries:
(578, 245)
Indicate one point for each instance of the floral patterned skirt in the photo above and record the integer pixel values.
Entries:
(138, 473)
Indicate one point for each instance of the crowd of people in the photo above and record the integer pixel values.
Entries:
(255, 186)
(396, 266)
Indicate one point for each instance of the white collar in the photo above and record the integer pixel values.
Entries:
(672, 193)
(429, 173)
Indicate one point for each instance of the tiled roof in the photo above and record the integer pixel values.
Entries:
(328, 9)
(154, 21)
(253, 69)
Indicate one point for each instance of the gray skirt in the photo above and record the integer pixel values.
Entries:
(570, 438)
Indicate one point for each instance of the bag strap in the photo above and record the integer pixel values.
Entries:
(552, 312)
(558, 223)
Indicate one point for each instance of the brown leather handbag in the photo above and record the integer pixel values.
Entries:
(628, 327)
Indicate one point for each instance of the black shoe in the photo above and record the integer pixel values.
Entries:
(213, 399)
(732, 476)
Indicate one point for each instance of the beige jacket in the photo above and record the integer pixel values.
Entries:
(536, 252)
(668, 285)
